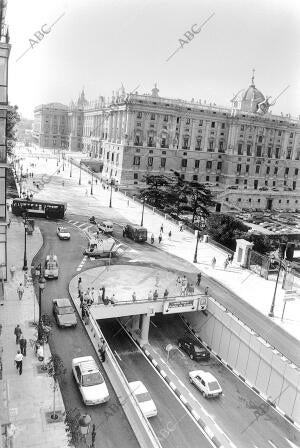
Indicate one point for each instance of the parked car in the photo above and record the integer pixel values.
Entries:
(89, 380)
(194, 349)
(146, 403)
(206, 383)
(63, 233)
(106, 227)
(275, 189)
(64, 313)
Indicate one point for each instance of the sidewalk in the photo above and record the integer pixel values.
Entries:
(30, 395)
(251, 288)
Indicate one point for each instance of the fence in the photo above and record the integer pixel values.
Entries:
(259, 264)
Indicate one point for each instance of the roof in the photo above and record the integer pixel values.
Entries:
(137, 387)
(87, 364)
(205, 375)
(36, 201)
(63, 302)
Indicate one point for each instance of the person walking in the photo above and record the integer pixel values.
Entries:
(180, 227)
(80, 288)
(150, 295)
(102, 349)
(170, 235)
(12, 271)
(213, 262)
(25, 279)
(23, 345)
(178, 281)
(20, 291)
(162, 228)
(134, 296)
(124, 231)
(152, 239)
(226, 262)
(166, 293)
(18, 333)
(155, 295)
(199, 275)
(19, 361)
(206, 291)
(159, 238)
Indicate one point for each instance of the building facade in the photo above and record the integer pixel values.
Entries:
(50, 127)
(4, 56)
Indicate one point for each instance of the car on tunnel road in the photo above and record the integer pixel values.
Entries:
(206, 383)
(89, 380)
(144, 399)
(193, 348)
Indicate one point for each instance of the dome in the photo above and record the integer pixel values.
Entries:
(248, 99)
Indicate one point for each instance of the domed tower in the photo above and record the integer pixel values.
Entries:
(248, 100)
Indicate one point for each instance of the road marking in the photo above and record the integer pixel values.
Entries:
(81, 225)
(292, 444)
(75, 222)
(152, 323)
(117, 354)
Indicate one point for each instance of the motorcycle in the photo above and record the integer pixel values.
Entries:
(93, 220)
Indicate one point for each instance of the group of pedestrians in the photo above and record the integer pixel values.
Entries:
(228, 260)
(21, 352)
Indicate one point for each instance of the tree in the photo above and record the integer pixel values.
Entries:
(155, 193)
(262, 243)
(225, 229)
(75, 438)
(56, 370)
(12, 118)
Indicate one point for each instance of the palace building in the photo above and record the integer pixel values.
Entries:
(248, 156)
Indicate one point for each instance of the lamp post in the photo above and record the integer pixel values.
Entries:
(79, 182)
(143, 209)
(25, 217)
(92, 183)
(42, 283)
(112, 182)
(271, 312)
(70, 167)
(84, 424)
(196, 248)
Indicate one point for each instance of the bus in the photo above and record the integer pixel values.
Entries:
(39, 208)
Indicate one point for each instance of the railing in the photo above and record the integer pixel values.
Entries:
(158, 300)
(220, 246)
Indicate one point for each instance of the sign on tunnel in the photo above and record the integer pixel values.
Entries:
(185, 304)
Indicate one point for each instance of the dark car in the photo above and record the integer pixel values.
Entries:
(64, 313)
(194, 349)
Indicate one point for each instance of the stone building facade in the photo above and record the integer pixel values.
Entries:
(50, 127)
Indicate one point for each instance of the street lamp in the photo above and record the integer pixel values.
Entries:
(79, 182)
(70, 167)
(25, 217)
(84, 424)
(112, 182)
(92, 183)
(196, 248)
(42, 283)
(271, 312)
(142, 220)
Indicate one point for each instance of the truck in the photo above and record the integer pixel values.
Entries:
(103, 248)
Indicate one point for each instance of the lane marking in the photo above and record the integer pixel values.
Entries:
(81, 225)
(117, 354)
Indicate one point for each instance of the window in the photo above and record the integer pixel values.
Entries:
(188, 121)
(166, 118)
(221, 146)
(210, 145)
(279, 133)
(247, 168)
(258, 151)
(163, 162)
(135, 175)
(227, 199)
(239, 167)
(200, 122)
(266, 183)
(223, 126)
(260, 139)
(152, 116)
(185, 143)
(249, 150)
(178, 118)
(276, 170)
(207, 178)
(284, 183)
(270, 151)
(213, 124)
(136, 160)
(219, 165)
(164, 142)
(279, 202)
(137, 140)
(198, 143)
(184, 163)
(197, 163)
(208, 164)
(195, 178)
(150, 141)
(294, 185)
(139, 115)
(296, 171)
(257, 168)
(255, 184)
(245, 181)
(286, 172)
(249, 199)
(288, 201)
(236, 181)
(288, 153)
(268, 170)
(240, 149)
(291, 135)
(239, 199)
(150, 161)
(217, 178)
(139, 123)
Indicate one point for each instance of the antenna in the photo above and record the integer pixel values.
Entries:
(281, 93)
(134, 89)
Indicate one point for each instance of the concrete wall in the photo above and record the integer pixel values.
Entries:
(250, 357)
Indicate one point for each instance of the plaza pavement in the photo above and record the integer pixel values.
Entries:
(251, 288)
(30, 395)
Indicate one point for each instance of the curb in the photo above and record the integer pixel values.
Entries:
(183, 400)
(244, 380)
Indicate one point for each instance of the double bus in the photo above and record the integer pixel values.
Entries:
(39, 208)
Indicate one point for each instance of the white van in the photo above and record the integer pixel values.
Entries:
(51, 267)
(106, 227)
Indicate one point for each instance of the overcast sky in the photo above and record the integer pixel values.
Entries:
(100, 44)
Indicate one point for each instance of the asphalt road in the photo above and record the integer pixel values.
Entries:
(71, 343)
(173, 425)
(239, 411)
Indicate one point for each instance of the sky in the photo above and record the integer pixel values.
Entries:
(100, 44)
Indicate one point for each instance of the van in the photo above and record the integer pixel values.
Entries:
(135, 232)
(106, 227)
(51, 267)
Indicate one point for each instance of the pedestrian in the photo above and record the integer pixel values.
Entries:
(113, 299)
(18, 333)
(23, 345)
(213, 262)
(206, 291)
(230, 258)
(155, 295)
(8, 223)
(191, 288)
(102, 349)
(25, 279)
(134, 296)
(182, 290)
(96, 181)
(152, 239)
(170, 234)
(180, 227)
(150, 295)
(124, 231)
(20, 291)
(159, 238)
(19, 361)
(198, 278)
(12, 271)
(162, 228)
(80, 288)
(166, 293)
(226, 262)
(178, 280)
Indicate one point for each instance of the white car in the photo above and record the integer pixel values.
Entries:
(63, 233)
(90, 381)
(206, 383)
(142, 395)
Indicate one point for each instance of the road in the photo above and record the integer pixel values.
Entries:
(173, 425)
(71, 343)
